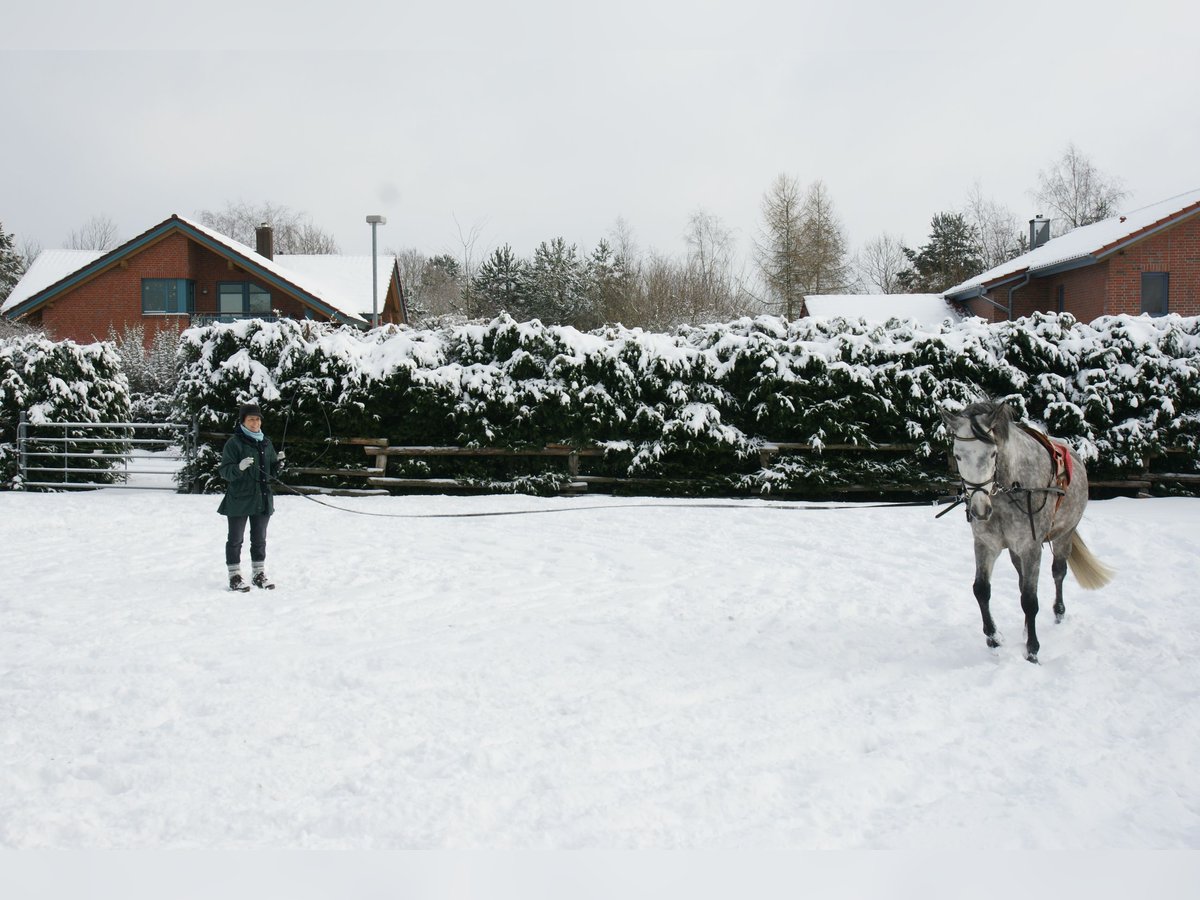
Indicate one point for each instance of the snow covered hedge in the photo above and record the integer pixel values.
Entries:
(56, 382)
(697, 404)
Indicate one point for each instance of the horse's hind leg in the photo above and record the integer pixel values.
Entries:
(1061, 550)
(985, 558)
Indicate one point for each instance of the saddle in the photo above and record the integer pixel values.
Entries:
(1060, 456)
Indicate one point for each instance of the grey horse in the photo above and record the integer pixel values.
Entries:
(1020, 493)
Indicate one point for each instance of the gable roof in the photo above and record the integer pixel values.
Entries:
(927, 309)
(350, 276)
(339, 300)
(1085, 245)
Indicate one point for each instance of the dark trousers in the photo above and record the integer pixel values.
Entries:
(258, 539)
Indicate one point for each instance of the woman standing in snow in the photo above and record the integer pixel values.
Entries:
(248, 464)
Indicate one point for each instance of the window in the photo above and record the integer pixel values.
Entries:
(243, 298)
(1060, 298)
(1154, 293)
(166, 296)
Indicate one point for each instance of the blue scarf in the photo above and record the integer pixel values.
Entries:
(256, 435)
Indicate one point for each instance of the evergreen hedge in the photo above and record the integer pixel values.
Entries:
(697, 404)
(58, 382)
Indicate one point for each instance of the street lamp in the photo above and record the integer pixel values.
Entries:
(373, 221)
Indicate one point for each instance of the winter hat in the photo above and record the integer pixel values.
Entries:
(248, 409)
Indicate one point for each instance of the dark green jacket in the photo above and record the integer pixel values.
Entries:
(248, 492)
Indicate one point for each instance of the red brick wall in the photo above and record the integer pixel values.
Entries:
(1176, 251)
(115, 296)
(1085, 291)
(1114, 286)
(1030, 298)
(1025, 300)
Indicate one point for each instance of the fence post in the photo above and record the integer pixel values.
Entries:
(22, 446)
(191, 446)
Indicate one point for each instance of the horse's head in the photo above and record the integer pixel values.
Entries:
(978, 431)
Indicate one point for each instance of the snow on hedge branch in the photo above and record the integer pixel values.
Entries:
(698, 403)
(56, 382)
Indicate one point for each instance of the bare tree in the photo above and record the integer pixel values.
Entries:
(823, 267)
(624, 243)
(880, 263)
(659, 301)
(996, 228)
(294, 231)
(710, 289)
(468, 266)
(1077, 192)
(777, 248)
(30, 250)
(98, 233)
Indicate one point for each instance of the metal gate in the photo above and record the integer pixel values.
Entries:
(68, 455)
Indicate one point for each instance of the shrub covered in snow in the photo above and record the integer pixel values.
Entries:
(699, 403)
(57, 382)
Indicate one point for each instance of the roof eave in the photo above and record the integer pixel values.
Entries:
(1152, 229)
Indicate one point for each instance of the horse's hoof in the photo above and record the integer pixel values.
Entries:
(993, 642)
(1032, 657)
(1058, 617)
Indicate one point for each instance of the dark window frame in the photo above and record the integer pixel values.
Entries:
(1060, 298)
(179, 293)
(248, 290)
(1156, 293)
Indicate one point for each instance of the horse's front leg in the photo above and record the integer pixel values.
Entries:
(1028, 565)
(985, 559)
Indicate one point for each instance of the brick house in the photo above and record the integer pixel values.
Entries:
(180, 273)
(1145, 261)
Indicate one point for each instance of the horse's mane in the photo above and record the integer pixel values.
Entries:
(997, 415)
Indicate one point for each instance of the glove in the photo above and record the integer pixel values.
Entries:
(246, 463)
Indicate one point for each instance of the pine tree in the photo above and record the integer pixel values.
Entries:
(556, 283)
(950, 256)
(11, 264)
(608, 288)
(501, 284)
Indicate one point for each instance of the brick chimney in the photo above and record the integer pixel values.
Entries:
(264, 240)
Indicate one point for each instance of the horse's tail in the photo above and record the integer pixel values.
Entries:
(1088, 571)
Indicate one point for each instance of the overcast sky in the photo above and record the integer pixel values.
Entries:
(531, 120)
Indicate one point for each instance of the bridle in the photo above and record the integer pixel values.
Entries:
(971, 488)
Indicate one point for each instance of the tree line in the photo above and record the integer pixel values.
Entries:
(800, 248)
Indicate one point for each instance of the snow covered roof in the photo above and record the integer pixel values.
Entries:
(50, 267)
(342, 295)
(350, 276)
(1085, 245)
(927, 309)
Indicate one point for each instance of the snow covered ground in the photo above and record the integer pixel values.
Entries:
(661, 674)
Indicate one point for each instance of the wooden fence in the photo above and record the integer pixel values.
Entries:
(379, 451)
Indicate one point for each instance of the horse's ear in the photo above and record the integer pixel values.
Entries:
(998, 420)
(950, 417)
